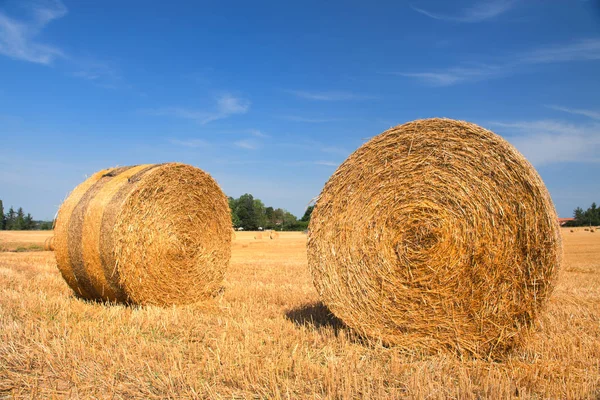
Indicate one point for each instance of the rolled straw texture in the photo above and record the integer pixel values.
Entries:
(146, 234)
(49, 244)
(436, 235)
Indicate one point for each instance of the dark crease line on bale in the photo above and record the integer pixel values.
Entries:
(75, 244)
(109, 219)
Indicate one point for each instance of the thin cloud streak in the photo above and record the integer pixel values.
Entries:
(247, 144)
(227, 105)
(18, 38)
(478, 13)
(257, 133)
(582, 50)
(193, 143)
(586, 113)
(327, 163)
(296, 118)
(546, 142)
(328, 96)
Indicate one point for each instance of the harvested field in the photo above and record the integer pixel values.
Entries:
(267, 336)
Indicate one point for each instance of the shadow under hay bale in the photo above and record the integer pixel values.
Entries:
(147, 234)
(317, 315)
(436, 235)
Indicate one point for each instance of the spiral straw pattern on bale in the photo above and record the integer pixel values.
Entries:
(49, 244)
(146, 234)
(436, 234)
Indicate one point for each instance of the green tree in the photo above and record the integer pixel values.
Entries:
(28, 222)
(19, 224)
(278, 218)
(269, 215)
(235, 221)
(245, 212)
(11, 216)
(46, 225)
(591, 216)
(260, 213)
(307, 214)
(2, 217)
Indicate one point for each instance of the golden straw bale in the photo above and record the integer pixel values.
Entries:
(146, 234)
(258, 235)
(273, 235)
(49, 244)
(436, 234)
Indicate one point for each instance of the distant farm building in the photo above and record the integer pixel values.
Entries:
(563, 221)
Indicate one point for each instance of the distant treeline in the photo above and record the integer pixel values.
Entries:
(591, 216)
(18, 221)
(251, 214)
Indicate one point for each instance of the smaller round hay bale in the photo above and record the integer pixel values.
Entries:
(49, 244)
(586, 229)
(273, 235)
(145, 234)
(572, 230)
(592, 230)
(258, 235)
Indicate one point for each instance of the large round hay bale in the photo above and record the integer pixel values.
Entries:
(273, 235)
(436, 234)
(147, 234)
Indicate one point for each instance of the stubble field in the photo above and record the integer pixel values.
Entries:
(267, 336)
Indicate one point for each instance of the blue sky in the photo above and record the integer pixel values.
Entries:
(270, 97)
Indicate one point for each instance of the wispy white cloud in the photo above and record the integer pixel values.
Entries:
(327, 163)
(226, 106)
(546, 142)
(101, 73)
(333, 150)
(481, 11)
(454, 75)
(257, 133)
(247, 144)
(18, 38)
(581, 50)
(193, 143)
(313, 145)
(586, 113)
(296, 118)
(328, 96)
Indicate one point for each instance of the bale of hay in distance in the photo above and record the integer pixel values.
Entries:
(49, 244)
(258, 235)
(436, 234)
(273, 235)
(146, 234)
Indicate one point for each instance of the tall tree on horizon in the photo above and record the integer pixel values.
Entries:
(11, 216)
(2, 217)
